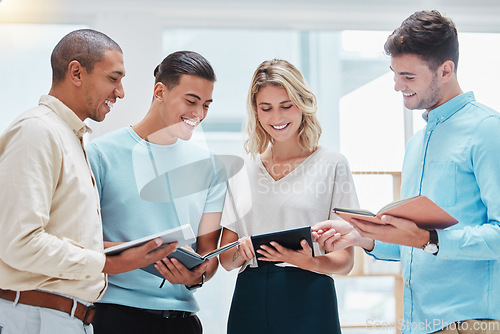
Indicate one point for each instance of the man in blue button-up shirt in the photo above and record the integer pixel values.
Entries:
(451, 276)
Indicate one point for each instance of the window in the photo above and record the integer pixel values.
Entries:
(25, 65)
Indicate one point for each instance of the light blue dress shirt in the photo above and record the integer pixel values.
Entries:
(455, 161)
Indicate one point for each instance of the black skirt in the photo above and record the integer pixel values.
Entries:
(272, 299)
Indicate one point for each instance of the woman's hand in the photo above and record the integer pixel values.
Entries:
(301, 258)
(245, 249)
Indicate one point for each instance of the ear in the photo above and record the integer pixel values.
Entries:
(159, 92)
(75, 72)
(446, 70)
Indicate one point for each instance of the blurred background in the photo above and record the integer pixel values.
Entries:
(338, 45)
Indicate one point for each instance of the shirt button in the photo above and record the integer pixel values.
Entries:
(428, 132)
(421, 162)
(442, 117)
(87, 277)
(445, 257)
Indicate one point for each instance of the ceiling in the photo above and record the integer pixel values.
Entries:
(471, 16)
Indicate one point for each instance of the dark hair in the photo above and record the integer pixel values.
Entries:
(86, 46)
(427, 34)
(183, 62)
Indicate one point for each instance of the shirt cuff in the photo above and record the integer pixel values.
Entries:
(385, 251)
(92, 268)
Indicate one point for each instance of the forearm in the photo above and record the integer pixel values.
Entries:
(235, 257)
(213, 264)
(207, 241)
(231, 259)
(337, 262)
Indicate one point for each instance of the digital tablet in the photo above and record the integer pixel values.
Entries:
(184, 235)
(287, 238)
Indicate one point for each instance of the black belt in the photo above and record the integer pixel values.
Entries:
(169, 314)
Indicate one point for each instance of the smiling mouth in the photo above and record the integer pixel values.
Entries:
(409, 95)
(189, 122)
(280, 127)
(109, 104)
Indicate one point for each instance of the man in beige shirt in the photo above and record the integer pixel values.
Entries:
(52, 264)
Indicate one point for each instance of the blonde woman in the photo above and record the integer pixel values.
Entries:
(290, 181)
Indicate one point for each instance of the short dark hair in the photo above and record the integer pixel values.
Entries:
(183, 62)
(427, 34)
(86, 46)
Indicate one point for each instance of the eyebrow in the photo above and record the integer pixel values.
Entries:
(267, 103)
(402, 73)
(198, 98)
(120, 73)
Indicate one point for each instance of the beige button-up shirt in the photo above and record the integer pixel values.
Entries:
(50, 224)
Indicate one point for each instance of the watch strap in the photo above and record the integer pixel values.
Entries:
(432, 247)
(197, 286)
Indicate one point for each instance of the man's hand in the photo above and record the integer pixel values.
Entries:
(137, 257)
(394, 231)
(176, 273)
(335, 235)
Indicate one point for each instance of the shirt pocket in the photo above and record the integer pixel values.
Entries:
(440, 183)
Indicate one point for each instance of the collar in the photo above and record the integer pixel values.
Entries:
(66, 114)
(448, 109)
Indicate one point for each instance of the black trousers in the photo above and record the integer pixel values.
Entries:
(119, 319)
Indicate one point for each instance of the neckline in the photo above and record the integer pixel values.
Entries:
(293, 172)
(146, 143)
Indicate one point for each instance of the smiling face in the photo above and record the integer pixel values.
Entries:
(184, 106)
(276, 113)
(419, 84)
(103, 86)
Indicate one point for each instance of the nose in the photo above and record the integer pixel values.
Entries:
(199, 112)
(398, 85)
(276, 117)
(119, 91)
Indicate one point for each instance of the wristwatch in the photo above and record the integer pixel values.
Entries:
(432, 247)
(197, 286)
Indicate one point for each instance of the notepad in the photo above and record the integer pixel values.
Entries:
(189, 258)
(419, 209)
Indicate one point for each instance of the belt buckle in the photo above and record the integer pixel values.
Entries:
(89, 315)
(170, 314)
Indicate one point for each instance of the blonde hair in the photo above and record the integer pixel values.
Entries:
(280, 73)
